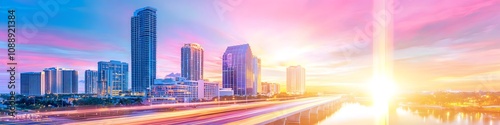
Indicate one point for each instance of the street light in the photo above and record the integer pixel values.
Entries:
(233, 100)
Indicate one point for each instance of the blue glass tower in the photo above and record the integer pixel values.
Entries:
(143, 39)
(237, 70)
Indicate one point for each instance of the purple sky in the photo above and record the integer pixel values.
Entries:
(445, 44)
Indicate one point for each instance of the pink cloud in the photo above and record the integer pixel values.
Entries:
(65, 42)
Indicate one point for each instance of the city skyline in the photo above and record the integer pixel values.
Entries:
(414, 44)
(246, 62)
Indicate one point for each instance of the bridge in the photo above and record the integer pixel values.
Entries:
(302, 114)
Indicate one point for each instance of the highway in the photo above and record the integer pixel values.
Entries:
(214, 115)
(229, 113)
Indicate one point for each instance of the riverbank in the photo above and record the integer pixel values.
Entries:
(490, 109)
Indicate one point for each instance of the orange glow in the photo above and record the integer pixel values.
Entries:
(382, 78)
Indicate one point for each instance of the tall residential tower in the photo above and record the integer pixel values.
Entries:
(143, 40)
(296, 80)
(61, 80)
(90, 81)
(192, 61)
(69, 79)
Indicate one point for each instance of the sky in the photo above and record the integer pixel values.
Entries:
(438, 45)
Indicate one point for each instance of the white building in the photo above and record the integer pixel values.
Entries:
(270, 89)
(257, 85)
(295, 80)
(182, 90)
(226, 92)
(210, 90)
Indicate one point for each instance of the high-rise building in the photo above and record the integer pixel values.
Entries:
(60, 80)
(257, 86)
(112, 77)
(69, 81)
(295, 80)
(33, 83)
(237, 70)
(52, 80)
(143, 40)
(90, 81)
(192, 61)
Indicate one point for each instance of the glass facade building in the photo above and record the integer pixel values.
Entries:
(69, 79)
(192, 61)
(112, 78)
(143, 45)
(33, 83)
(60, 80)
(90, 81)
(237, 70)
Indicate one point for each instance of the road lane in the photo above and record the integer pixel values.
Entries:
(181, 116)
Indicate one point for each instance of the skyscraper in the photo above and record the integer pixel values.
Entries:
(295, 80)
(192, 61)
(33, 83)
(112, 77)
(257, 75)
(69, 81)
(143, 40)
(90, 81)
(237, 69)
(52, 80)
(61, 80)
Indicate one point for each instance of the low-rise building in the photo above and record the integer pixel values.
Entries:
(270, 89)
(182, 90)
(226, 92)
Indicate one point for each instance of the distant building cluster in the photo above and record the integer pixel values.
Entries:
(270, 89)
(241, 72)
(50, 81)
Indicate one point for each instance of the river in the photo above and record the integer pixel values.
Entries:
(364, 114)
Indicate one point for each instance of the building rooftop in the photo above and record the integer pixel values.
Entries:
(145, 8)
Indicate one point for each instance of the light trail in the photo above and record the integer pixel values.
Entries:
(158, 117)
(280, 114)
(226, 117)
(147, 107)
